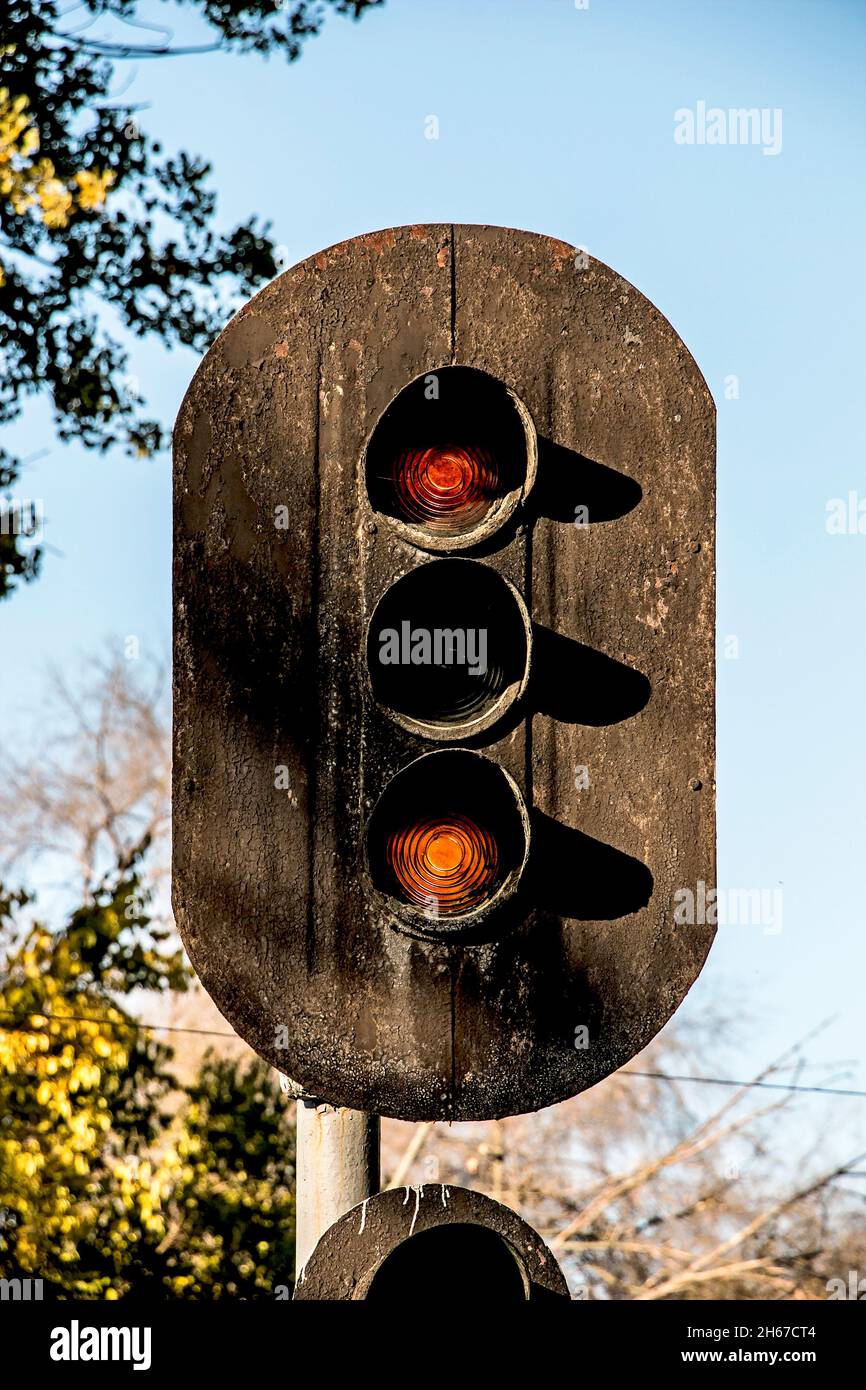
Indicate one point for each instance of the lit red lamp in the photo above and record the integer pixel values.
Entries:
(445, 487)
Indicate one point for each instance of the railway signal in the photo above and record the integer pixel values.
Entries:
(444, 627)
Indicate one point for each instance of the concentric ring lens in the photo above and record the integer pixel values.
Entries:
(448, 647)
(445, 488)
(444, 864)
(451, 457)
(448, 837)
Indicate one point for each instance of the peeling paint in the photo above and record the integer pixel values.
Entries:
(419, 1193)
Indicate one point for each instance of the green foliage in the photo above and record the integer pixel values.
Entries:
(93, 211)
(232, 1205)
(80, 1085)
(107, 1188)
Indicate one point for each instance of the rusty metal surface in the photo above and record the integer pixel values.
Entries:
(352, 1251)
(269, 889)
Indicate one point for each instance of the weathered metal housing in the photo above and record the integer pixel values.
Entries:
(433, 1245)
(281, 750)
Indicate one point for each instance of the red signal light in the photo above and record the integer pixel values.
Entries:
(445, 487)
(451, 458)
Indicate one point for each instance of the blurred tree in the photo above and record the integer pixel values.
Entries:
(80, 1087)
(93, 214)
(231, 1208)
(640, 1199)
(86, 781)
(98, 781)
(104, 1192)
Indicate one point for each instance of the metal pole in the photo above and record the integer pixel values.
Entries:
(337, 1166)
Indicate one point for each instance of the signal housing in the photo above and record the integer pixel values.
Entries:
(283, 752)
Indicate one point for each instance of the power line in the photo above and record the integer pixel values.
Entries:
(234, 1037)
(107, 1023)
(751, 1085)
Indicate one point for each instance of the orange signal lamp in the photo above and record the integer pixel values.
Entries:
(450, 861)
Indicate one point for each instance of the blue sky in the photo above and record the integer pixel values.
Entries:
(561, 120)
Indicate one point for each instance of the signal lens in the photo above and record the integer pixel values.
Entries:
(447, 863)
(444, 488)
(451, 458)
(448, 648)
(446, 841)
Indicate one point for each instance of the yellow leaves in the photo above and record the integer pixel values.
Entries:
(93, 187)
(111, 923)
(26, 1252)
(27, 1164)
(86, 1192)
(54, 199)
(32, 185)
(85, 1076)
(18, 135)
(29, 965)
